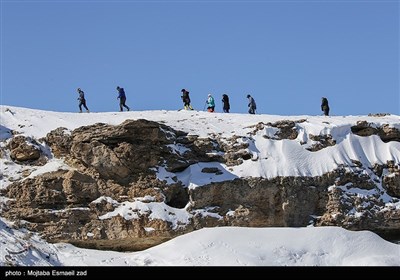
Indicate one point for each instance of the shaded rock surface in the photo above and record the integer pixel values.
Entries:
(385, 132)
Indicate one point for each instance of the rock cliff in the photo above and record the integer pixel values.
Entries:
(126, 186)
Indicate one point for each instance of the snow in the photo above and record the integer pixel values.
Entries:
(216, 246)
(223, 246)
(52, 165)
(192, 176)
(21, 248)
(230, 246)
(159, 211)
(107, 200)
(178, 149)
(276, 158)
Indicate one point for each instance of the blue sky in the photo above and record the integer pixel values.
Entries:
(286, 54)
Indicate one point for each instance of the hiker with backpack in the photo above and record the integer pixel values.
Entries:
(225, 102)
(325, 106)
(252, 105)
(82, 100)
(122, 99)
(210, 103)
(186, 100)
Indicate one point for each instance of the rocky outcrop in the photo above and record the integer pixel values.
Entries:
(112, 199)
(285, 129)
(391, 178)
(353, 212)
(282, 201)
(60, 141)
(385, 132)
(128, 151)
(322, 141)
(62, 206)
(23, 149)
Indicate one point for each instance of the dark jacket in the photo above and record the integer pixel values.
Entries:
(324, 104)
(121, 93)
(81, 97)
(252, 103)
(185, 96)
(225, 101)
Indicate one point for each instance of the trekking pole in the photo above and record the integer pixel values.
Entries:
(204, 106)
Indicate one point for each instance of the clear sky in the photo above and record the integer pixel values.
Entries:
(286, 54)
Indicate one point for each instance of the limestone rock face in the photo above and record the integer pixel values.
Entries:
(23, 149)
(322, 141)
(388, 133)
(112, 197)
(359, 213)
(391, 180)
(385, 132)
(59, 140)
(122, 152)
(283, 201)
(79, 188)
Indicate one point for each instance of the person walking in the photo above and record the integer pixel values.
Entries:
(252, 104)
(210, 103)
(186, 100)
(82, 101)
(325, 106)
(225, 102)
(122, 99)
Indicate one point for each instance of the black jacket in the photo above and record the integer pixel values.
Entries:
(225, 101)
(324, 104)
(185, 96)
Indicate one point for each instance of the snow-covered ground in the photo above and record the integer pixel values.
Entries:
(224, 246)
(218, 246)
(275, 158)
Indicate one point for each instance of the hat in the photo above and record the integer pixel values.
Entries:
(209, 94)
(182, 90)
(248, 95)
(118, 87)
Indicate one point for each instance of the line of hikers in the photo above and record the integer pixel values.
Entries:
(121, 97)
(210, 102)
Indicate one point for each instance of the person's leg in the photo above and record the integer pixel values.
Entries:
(84, 105)
(251, 111)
